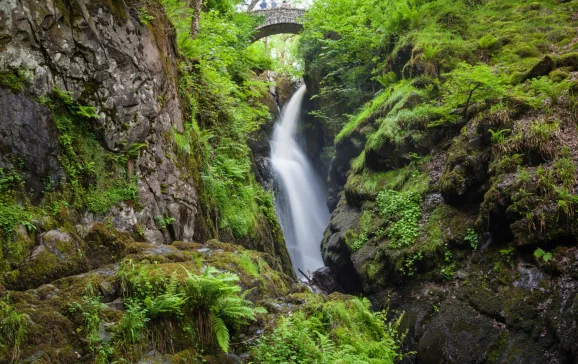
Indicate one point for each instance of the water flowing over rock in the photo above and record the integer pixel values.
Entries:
(301, 200)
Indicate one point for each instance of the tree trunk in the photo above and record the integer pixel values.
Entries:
(196, 5)
(252, 5)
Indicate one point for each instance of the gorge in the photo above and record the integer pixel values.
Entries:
(157, 206)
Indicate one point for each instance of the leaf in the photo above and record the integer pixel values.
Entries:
(222, 334)
(539, 253)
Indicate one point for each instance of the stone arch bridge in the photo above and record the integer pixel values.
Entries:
(279, 21)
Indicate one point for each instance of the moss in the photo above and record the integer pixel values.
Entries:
(117, 8)
(105, 245)
(568, 60)
(525, 50)
(558, 75)
(498, 348)
(14, 80)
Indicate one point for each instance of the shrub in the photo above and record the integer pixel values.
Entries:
(342, 330)
(214, 300)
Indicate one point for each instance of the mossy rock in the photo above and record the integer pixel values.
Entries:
(542, 68)
(568, 60)
(60, 254)
(558, 76)
(466, 169)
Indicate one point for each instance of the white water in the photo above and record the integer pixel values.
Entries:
(301, 200)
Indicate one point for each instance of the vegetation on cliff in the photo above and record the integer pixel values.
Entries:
(452, 127)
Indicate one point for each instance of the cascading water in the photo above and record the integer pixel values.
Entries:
(300, 202)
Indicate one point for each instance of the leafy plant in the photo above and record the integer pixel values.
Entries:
(215, 302)
(90, 309)
(498, 136)
(408, 268)
(133, 322)
(542, 254)
(339, 331)
(163, 221)
(402, 210)
(472, 238)
(13, 327)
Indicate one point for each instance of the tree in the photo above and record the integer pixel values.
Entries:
(196, 6)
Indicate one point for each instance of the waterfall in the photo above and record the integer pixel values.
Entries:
(300, 202)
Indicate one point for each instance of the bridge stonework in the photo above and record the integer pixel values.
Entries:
(279, 21)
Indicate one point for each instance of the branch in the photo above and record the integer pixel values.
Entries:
(469, 98)
(304, 275)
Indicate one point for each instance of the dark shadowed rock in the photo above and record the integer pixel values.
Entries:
(325, 279)
(28, 135)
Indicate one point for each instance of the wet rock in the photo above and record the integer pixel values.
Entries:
(325, 279)
(28, 133)
(334, 250)
(457, 335)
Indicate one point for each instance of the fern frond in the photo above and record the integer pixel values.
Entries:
(222, 334)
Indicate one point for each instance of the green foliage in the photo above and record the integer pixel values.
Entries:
(96, 180)
(498, 136)
(472, 238)
(448, 270)
(13, 328)
(224, 97)
(508, 256)
(356, 241)
(163, 222)
(211, 302)
(90, 310)
(408, 268)
(213, 298)
(541, 254)
(543, 86)
(15, 80)
(145, 17)
(12, 215)
(343, 330)
(133, 322)
(402, 210)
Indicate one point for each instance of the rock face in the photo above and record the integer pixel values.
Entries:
(28, 131)
(487, 271)
(105, 57)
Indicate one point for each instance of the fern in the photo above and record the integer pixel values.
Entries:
(215, 300)
(221, 333)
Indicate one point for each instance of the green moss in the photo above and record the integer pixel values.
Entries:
(568, 60)
(117, 9)
(558, 76)
(498, 348)
(15, 80)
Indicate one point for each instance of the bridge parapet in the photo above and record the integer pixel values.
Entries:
(278, 21)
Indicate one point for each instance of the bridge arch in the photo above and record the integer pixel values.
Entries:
(279, 21)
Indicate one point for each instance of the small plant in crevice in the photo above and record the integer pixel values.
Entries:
(13, 327)
(408, 267)
(402, 210)
(163, 221)
(90, 309)
(508, 256)
(498, 136)
(542, 255)
(472, 238)
(448, 270)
